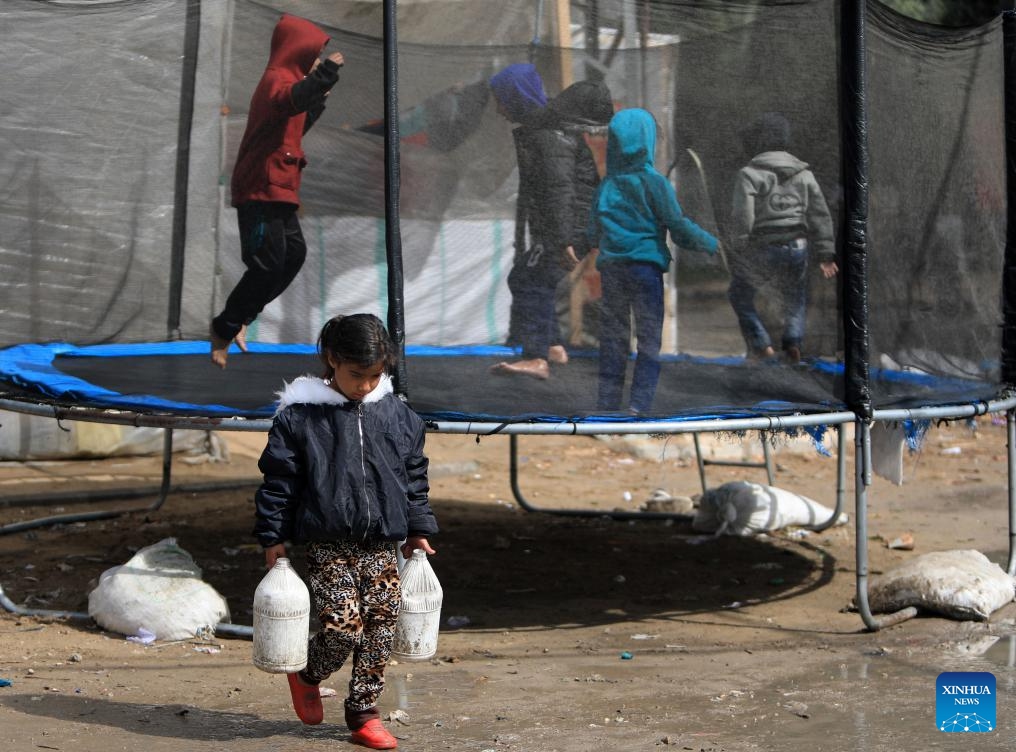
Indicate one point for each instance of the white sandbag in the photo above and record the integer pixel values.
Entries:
(159, 590)
(745, 508)
(960, 584)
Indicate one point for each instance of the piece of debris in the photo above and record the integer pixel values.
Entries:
(399, 715)
(797, 708)
(904, 542)
(143, 637)
(660, 501)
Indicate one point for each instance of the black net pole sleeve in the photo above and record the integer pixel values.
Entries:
(1009, 262)
(178, 242)
(854, 149)
(393, 237)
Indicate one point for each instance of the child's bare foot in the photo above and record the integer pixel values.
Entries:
(535, 367)
(220, 349)
(557, 355)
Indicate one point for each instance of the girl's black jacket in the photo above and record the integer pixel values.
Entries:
(335, 469)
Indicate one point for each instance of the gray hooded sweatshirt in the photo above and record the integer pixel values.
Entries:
(776, 200)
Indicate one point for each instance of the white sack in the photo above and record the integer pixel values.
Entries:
(745, 508)
(159, 590)
(887, 442)
(960, 584)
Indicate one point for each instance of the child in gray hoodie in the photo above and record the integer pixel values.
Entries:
(780, 218)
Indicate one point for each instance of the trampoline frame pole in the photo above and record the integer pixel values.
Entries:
(1010, 427)
(1008, 344)
(178, 242)
(854, 252)
(393, 236)
(857, 375)
(767, 461)
(862, 480)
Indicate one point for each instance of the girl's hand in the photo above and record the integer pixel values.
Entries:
(278, 551)
(829, 269)
(414, 542)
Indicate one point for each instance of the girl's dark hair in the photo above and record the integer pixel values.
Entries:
(359, 338)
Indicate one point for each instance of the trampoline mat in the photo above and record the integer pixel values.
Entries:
(456, 384)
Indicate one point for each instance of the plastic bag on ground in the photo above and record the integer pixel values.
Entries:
(963, 585)
(159, 590)
(745, 508)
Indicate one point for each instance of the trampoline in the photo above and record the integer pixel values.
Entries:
(174, 378)
(110, 275)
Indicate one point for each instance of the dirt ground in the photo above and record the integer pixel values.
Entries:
(573, 632)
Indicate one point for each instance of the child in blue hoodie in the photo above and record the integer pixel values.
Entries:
(633, 209)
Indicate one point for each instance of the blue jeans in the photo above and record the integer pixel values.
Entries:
(630, 289)
(783, 269)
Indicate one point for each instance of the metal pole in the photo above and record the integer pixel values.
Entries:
(393, 236)
(1010, 426)
(1009, 264)
(854, 145)
(192, 35)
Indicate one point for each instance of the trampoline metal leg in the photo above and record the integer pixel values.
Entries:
(167, 468)
(700, 462)
(841, 480)
(1010, 425)
(513, 472)
(164, 490)
(862, 480)
(767, 461)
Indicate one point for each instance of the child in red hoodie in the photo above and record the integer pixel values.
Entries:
(266, 179)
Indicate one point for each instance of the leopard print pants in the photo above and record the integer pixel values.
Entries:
(358, 598)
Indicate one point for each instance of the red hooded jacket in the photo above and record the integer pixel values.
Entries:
(286, 101)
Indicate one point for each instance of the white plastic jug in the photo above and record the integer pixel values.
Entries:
(281, 620)
(420, 620)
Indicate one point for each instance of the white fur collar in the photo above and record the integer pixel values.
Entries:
(311, 390)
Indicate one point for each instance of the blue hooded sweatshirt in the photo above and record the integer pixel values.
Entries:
(635, 205)
(519, 89)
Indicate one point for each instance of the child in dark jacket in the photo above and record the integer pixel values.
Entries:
(265, 187)
(633, 209)
(557, 176)
(345, 473)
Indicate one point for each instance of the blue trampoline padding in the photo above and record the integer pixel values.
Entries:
(32, 367)
(446, 383)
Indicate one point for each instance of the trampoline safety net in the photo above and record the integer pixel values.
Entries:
(121, 124)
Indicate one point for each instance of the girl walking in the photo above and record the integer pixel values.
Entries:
(345, 474)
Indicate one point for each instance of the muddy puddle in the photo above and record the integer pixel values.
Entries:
(873, 700)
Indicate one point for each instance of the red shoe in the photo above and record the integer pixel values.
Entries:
(374, 735)
(306, 700)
